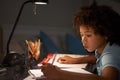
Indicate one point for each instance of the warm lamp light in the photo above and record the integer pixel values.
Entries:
(9, 55)
(44, 2)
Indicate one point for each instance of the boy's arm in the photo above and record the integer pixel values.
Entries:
(87, 59)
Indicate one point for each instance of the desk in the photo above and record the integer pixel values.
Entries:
(67, 67)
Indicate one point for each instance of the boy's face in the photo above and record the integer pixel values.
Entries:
(92, 41)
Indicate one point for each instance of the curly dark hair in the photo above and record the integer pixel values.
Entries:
(103, 19)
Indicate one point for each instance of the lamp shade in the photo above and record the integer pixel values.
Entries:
(44, 2)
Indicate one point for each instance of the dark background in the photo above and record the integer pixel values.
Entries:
(55, 19)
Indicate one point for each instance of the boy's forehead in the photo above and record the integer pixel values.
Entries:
(86, 29)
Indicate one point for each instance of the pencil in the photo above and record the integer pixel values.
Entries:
(53, 58)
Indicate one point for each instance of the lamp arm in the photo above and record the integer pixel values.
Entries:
(15, 24)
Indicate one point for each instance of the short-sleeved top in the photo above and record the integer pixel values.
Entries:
(109, 57)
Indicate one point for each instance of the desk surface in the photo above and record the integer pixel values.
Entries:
(68, 67)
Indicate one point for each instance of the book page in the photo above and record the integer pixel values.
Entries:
(68, 65)
(77, 70)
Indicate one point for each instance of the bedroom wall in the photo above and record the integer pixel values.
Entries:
(55, 19)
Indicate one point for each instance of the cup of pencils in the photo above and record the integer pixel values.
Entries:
(33, 52)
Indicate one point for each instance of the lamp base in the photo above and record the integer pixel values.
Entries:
(12, 59)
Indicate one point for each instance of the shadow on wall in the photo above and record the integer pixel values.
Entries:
(74, 45)
(47, 45)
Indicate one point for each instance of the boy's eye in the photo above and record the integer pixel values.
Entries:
(89, 35)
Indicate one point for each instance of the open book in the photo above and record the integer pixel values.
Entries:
(36, 73)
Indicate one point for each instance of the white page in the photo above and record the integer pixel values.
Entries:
(77, 70)
(68, 65)
(36, 73)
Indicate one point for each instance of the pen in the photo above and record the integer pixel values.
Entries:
(53, 58)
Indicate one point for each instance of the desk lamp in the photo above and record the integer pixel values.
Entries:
(14, 58)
